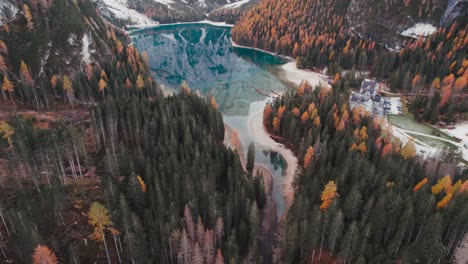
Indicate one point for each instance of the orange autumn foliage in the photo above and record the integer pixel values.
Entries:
(419, 185)
(443, 203)
(308, 157)
(328, 195)
(267, 112)
(281, 110)
(142, 184)
(388, 148)
(304, 117)
(296, 111)
(213, 103)
(443, 184)
(276, 124)
(43, 255)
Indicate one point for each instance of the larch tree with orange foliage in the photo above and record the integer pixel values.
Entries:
(142, 183)
(443, 203)
(296, 111)
(102, 85)
(54, 81)
(308, 157)
(328, 195)
(276, 124)
(460, 83)
(281, 111)
(43, 255)
(420, 185)
(28, 16)
(304, 117)
(213, 102)
(267, 113)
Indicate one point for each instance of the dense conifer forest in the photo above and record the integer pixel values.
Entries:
(97, 165)
(361, 195)
(111, 170)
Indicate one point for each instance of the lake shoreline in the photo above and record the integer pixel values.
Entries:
(269, 219)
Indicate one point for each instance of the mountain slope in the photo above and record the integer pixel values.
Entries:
(164, 11)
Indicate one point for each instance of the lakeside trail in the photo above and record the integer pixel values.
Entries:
(262, 138)
(269, 221)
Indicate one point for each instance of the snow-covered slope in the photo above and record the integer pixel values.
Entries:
(164, 11)
(7, 11)
(236, 4)
(419, 29)
(118, 9)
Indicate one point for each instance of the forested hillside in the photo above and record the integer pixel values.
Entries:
(361, 195)
(61, 51)
(97, 166)
(168, 190)
(320, 35)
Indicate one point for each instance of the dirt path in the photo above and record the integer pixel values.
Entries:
(269, 220)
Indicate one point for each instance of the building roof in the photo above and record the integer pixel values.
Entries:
(369, 86)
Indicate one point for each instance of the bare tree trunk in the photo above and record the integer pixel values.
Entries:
(321, 244)
(4, 222)
(78, 160)
(105, 246)
(117, 249)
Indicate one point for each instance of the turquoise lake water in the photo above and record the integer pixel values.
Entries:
(204, 57)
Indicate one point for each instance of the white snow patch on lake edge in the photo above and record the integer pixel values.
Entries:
(419, 29)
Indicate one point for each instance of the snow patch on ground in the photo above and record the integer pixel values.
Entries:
(86, 42)
(290, 72)
(72, 39)
(235, 4)
(7, 8)
(166, 2)
(419, 29)
(461, 132)
(46, 57)
(120, 10)
(202, 3)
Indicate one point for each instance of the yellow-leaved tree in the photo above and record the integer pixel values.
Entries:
(443, 184)
(99, 219)
(102, 85)
(7, 86)
(328, 195)
(7, 132)
(68, 88)
(408, 150)
(28, 16)
(443, 203)
(140, 83)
